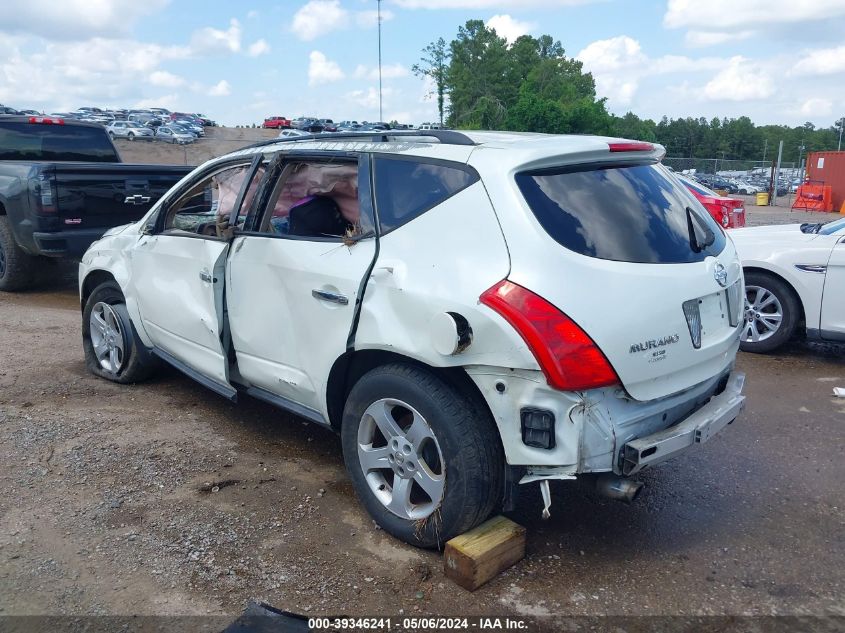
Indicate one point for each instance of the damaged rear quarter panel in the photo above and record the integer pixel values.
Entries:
(441, 262)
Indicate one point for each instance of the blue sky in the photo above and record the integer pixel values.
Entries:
(778, 61)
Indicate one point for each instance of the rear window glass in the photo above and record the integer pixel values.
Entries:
(37, 141)
(701, 189)
(405, 189)
(634, 213)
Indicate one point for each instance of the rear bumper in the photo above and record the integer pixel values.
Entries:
(689, 433)
(67, 243)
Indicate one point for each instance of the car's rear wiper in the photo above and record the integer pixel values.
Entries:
(694, 219)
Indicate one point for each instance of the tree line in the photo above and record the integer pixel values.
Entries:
(482, 82)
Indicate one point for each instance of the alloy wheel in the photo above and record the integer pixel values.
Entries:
(763, 314)
(107, 337)
(401, 459)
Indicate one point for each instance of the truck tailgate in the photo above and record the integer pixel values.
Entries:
(98, 195)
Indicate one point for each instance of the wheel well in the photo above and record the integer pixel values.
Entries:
(2, 209)
(349, 368)
(94, 279)
(769, 273)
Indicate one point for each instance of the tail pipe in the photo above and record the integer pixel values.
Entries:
(618, 488)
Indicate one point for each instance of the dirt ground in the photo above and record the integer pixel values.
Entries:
(162, 498)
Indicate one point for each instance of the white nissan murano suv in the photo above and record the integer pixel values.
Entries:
(471, 312)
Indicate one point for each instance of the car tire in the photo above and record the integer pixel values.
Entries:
(768, 297)
(460, 456)
(17, 268)
(131, 136)
(133, 362)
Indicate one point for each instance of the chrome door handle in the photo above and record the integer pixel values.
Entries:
(207, 278)
(333, 297)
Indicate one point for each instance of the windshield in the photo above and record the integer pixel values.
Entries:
(636, 213)
(837, 226)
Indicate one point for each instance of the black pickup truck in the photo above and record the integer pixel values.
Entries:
(62, 185)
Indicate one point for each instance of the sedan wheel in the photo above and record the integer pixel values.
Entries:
(771, 313)
(763, 314)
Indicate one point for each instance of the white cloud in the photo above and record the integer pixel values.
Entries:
(369, 19)
(258, 48)
(714, 38)
(750, 13)
(509, 28)
(826, 61)
(166, 79)
(220, 89)
(75, 19)
(389, 71)
(368, 98)
(209, 40)
(165, 101)
(317, 18)
(489, 4)
(252, 14)
(618, 65)
(616, 53)
(742, 80)
(817, 107)
(322, 70)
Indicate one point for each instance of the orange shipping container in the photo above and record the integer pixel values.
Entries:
(830, 168)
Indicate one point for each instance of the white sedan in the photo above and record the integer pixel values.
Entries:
(794, 277)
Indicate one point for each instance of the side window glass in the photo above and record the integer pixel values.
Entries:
(317, 200)
(205, 208)
(405, 189)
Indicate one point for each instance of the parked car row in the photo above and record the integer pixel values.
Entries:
(314, 125)
(149, 117)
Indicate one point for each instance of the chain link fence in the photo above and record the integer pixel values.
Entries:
(731, 168)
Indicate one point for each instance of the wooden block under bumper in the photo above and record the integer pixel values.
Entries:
(481, 554)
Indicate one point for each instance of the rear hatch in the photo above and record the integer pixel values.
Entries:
(627, 253)
(102, 195)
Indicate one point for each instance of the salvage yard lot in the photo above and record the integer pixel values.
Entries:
(163, 498)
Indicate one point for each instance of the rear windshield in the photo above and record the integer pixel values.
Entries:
(637, 213)
(38, 141)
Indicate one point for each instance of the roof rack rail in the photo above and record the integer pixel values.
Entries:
(446, 137)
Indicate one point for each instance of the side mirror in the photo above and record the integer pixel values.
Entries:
(148, 229)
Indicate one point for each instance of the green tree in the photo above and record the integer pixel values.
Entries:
(477, 75)
(434, 64)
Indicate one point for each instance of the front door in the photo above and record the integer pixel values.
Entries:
(295, 279)
(178, 275)
(833, 299)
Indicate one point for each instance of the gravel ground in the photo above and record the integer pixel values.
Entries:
(162, 498)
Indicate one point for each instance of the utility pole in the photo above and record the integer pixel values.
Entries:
(380, 111)
(841, 123)
(765, 148)
(776, 175)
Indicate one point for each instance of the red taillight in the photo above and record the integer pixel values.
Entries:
(630, 147)
(568, 357)
(47, 120)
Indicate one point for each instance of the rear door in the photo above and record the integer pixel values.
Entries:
(632, 257)
(293, 290)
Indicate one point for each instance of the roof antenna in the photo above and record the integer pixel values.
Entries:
(380, 113)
